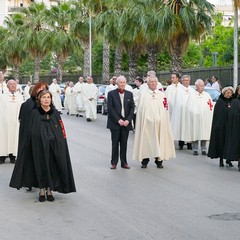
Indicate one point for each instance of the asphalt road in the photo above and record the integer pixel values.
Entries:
(191, 198)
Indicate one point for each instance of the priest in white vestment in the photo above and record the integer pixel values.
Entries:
(112, 85)
(3, 85)
(70, 96)
(10, 104)
(26, 94)
(171, 91)
(153, 134)
(179, 105)
(78, 87)
(90, 93)
(55, 90)
(197, 118)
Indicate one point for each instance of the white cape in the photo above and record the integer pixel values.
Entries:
(153, 134)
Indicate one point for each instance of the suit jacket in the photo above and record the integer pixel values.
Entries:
(115, 107)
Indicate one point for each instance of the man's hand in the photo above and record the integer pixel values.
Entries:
(121, 122)
(126, 122)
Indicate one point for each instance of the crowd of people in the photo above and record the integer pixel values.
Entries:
(33, 135)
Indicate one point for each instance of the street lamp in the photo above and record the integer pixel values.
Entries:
(90, 44)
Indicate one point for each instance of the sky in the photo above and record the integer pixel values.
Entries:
(221, 2)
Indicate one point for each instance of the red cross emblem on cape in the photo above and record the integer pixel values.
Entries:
(165, 104)
(210, 104)
(63, 129)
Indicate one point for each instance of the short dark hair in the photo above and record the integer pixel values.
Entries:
(177, 74)
(139, 79)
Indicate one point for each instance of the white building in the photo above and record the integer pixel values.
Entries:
(10, 6)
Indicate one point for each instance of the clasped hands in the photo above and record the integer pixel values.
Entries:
(123, 123)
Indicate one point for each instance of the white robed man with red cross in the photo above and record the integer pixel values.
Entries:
(198, 115)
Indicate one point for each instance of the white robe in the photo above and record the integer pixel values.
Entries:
(9, 123)
(56, 92)
(90, 91)
(153, 134)
(78, 88)
(3, 87)
(109, 88)
(170, 94)
(179, 103)
(26, 94)
(197, 117)
(71, 104)
(136, 93)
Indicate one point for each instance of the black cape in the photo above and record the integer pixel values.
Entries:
(232, 146)
(47, 163)
(219, 127)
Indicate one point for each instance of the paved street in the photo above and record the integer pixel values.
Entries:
(190, 199)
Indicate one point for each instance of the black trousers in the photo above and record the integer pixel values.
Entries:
(119, 138)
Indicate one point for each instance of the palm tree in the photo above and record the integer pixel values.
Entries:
(35, 30)
(12, 43)
(3, 60)
(58, 19)
(182, 21)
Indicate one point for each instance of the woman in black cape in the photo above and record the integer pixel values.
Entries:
(232, 146)
(24, 148)
(219, 125)
(48, 167)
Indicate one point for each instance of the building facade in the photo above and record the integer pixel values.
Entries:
(10, 6)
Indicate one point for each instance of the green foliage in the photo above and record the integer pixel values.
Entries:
(192, 58)
(220, 41)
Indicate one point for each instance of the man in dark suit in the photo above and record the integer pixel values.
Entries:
(120, 114)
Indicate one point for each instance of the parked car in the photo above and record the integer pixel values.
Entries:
(100, 97)
(214, 93)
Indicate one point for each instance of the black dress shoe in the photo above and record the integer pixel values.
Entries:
(229, 163)
(89, 120)
(189, 146)
(113, 166)
(42, 198)
(204, 153)
(50, 198)
(2, 160)
(195, 153)
(180, 147)
(126, 166)
(159, 164)
(144, 166)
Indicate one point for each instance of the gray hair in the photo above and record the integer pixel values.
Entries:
(198, 81)
(152, 77)
(151, 73)
(121, 77)
(185, 76)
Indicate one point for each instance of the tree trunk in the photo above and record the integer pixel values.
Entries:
(176, 60)
(86, 59)
(132, 64)
(152, 57)
(60, 68)
(16, 71)
(118, 62)
(37, 61)
(106, 62)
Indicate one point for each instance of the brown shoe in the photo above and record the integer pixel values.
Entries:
(113, 166)
(125, 166)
